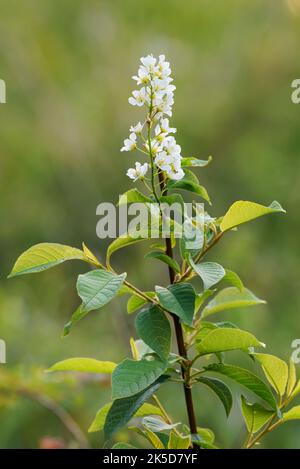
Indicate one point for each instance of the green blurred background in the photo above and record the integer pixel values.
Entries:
(68, 66)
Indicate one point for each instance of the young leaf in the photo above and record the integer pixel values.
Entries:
(247, 379)
(179, 299)
(135, 302)
(142, 349)
(99, 420)
(292, 379)
(122, 410)
(153, 438)
(164, 258)
(206, 434)
(122, 445)
(292, 414)
(157, 425)
(233, 278)
(179, 442)
(154, 328)
(86, 365)
(230, 298)
(195, 162)
(210, 272)
(43, 256)
(92, 258)
(224, 339)
(220, 389)
(296, 390)
(189, 183)
(275, 369)
(255, 415)
(243, 211)
(131, 376)
(98, 287)
(133, 195)
(204, 438)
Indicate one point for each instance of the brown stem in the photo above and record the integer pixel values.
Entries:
(179, 337)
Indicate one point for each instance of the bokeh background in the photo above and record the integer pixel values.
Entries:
(68, 66)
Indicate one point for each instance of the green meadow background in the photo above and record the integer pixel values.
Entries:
(68, 66)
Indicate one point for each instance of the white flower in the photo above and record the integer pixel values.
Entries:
(176, 175)
(163, 128)
(163, 68)
(138, 172)
(137, 129)
(171, 164)
(129, 143)
(146, 71)
(139, 97)
(165, 106)
(155, 146)
(171, 147)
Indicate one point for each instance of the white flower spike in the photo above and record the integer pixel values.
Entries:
(156, 92)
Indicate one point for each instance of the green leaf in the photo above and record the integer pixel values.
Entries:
(133, 195)
(86, 365)
(296, 390)
(234, 279)
(255, 415)
(43, 256)
(246, 379)
(126, 240)
(154, 329)
(122, 445)
(164, 258)
(157, 425)
(179, 442)
(195, 162)
(131, 376)
(79, 314)
(224, 339)
(98, 287)
(153, 438)
(292, 379)
(99, 420)
(122, 410)
(220, 389)
(275, 369)
(204, 438)
(210, 272)
(157, 440)
(243, 211)
(201, 298)
(292, 414)
(189, 183)
(179, 299)
(231, 298)
(206, 434)
(135, 302)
